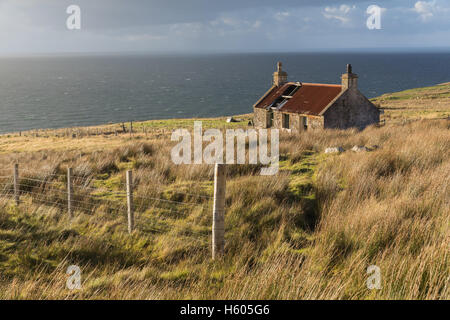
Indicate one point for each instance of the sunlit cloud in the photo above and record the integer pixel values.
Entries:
(340, 13)
(281, 16)
(425, 9)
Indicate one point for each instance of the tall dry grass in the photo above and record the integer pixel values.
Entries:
(388, 207)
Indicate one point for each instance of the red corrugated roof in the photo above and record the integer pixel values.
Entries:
(310, 98)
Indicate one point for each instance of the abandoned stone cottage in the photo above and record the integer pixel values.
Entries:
(296, 106)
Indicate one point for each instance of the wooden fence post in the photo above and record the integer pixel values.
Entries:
(16, 183)
(218, 227)
(130, 201)
(69, 192)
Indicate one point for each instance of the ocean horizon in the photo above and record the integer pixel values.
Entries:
(40, 92)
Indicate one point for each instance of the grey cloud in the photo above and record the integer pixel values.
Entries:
(104, 14)
(183, 25)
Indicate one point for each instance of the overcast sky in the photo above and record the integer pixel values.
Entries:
(39, 26)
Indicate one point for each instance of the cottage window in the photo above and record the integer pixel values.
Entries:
(270, 119)
(285, 121)
(305, 122)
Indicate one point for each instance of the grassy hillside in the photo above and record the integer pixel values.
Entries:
(421, 103)
(308, 233)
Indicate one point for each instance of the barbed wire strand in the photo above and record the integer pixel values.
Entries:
(86, 179)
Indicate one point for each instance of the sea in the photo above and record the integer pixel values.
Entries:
(50, 91)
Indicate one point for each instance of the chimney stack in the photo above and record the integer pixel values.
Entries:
(279, 76)
(349, 79)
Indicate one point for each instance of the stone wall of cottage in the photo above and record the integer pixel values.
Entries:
(277, 120)
(351, 110)
(315, 122)
(296, 122)
(260, 118)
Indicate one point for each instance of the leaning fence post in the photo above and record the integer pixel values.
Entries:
(69, 192)
(130, 201)
(218, 227)
(16, 183)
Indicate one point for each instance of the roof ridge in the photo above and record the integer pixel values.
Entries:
(322, 84)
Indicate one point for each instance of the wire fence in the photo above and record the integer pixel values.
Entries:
(80, 194)
(124, 129)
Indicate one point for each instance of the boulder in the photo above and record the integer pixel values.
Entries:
(334, 150)
(360, 149)
(231, 119)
